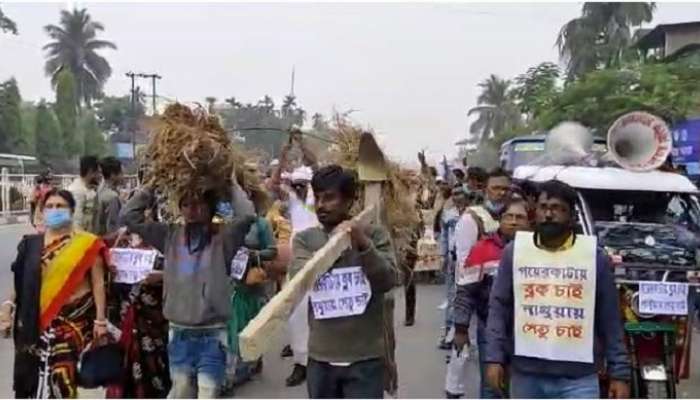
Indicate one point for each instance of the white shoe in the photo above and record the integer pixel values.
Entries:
(443, 306)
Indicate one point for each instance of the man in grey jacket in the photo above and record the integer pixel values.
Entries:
(346, 341)
(199, 267)
(559, 349)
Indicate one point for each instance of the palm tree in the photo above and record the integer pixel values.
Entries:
(211, 102)
(600, 35)
(75, 47)
(288, 104)
(496, 109)
(267, 104)
(233, 102)
(6, 24)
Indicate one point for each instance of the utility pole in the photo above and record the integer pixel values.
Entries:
(132, 120)
(291, 92)
(153, 78)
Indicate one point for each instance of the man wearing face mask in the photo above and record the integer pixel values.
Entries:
(481, 220)
(474, 281)
(84, 190)
(553, 312)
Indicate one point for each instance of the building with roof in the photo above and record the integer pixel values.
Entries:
(670, 41)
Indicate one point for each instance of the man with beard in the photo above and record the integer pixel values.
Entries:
(346, 345)
(474, 280)
(553, 312)
(84, 190)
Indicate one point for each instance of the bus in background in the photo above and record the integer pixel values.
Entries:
(523, 150)
(19, 164)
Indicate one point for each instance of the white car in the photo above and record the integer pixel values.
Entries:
(646, 220)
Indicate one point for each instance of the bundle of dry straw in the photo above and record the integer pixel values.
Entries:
(398, 195)
(190, 152)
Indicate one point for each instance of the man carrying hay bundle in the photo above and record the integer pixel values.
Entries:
(191, 162)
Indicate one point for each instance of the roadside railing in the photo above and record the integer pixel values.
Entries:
(16, 190)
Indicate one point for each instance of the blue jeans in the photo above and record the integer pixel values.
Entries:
(536, 386)
(485, 391)
(197, 362)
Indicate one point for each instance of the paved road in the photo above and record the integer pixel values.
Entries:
(421, 365)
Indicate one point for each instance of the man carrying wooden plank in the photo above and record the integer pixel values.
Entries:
(346, 338)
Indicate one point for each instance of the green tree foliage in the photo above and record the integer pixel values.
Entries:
(262, 126)
(28, 111)
(66, 108)
(669, 90)
(496, 109)
(11, 138)
(600, 36)
(113, 113)
(48, 138)
(535, 90)
(93, 138)
(75, 46)
(6, 24)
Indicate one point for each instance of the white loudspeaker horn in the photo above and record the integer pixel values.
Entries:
(639, 141)
(568, 143)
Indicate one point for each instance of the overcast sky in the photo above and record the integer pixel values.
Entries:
(410, 69)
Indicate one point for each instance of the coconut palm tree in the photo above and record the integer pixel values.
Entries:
(74, 46)
(211, 102)
(496, 109)
(600, 35)
(6, 24)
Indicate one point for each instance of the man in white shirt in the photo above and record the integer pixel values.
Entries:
(302, 216)
(479, 220)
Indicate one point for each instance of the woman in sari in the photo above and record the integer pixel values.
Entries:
(60, 302)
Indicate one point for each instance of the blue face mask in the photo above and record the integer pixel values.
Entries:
(57, 218)
(493, 207)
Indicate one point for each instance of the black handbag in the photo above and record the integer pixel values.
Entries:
(100, 366)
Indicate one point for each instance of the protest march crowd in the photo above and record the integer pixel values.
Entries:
(147, 294)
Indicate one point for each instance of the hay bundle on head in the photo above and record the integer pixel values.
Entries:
(190, 153)
(398, 203)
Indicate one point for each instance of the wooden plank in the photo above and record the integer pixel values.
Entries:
(373, 195)
(257, 336)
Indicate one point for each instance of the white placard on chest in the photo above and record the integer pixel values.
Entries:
(341, 292)
(132, 265)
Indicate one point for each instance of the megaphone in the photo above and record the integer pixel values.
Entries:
(568, 143)
(639, 141)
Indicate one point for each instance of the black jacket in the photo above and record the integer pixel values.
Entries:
(27, 281)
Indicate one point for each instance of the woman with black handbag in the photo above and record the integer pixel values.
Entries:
(60, 302)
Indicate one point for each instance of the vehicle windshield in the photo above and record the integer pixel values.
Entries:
(522, 153)
(679, 209)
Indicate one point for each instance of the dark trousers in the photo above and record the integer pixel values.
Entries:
(410, 292)
(360, 380)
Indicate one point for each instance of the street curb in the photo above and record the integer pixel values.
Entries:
(14, 219)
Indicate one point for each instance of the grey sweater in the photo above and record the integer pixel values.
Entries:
(360, 337)
(608, 343)
(197, 285)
